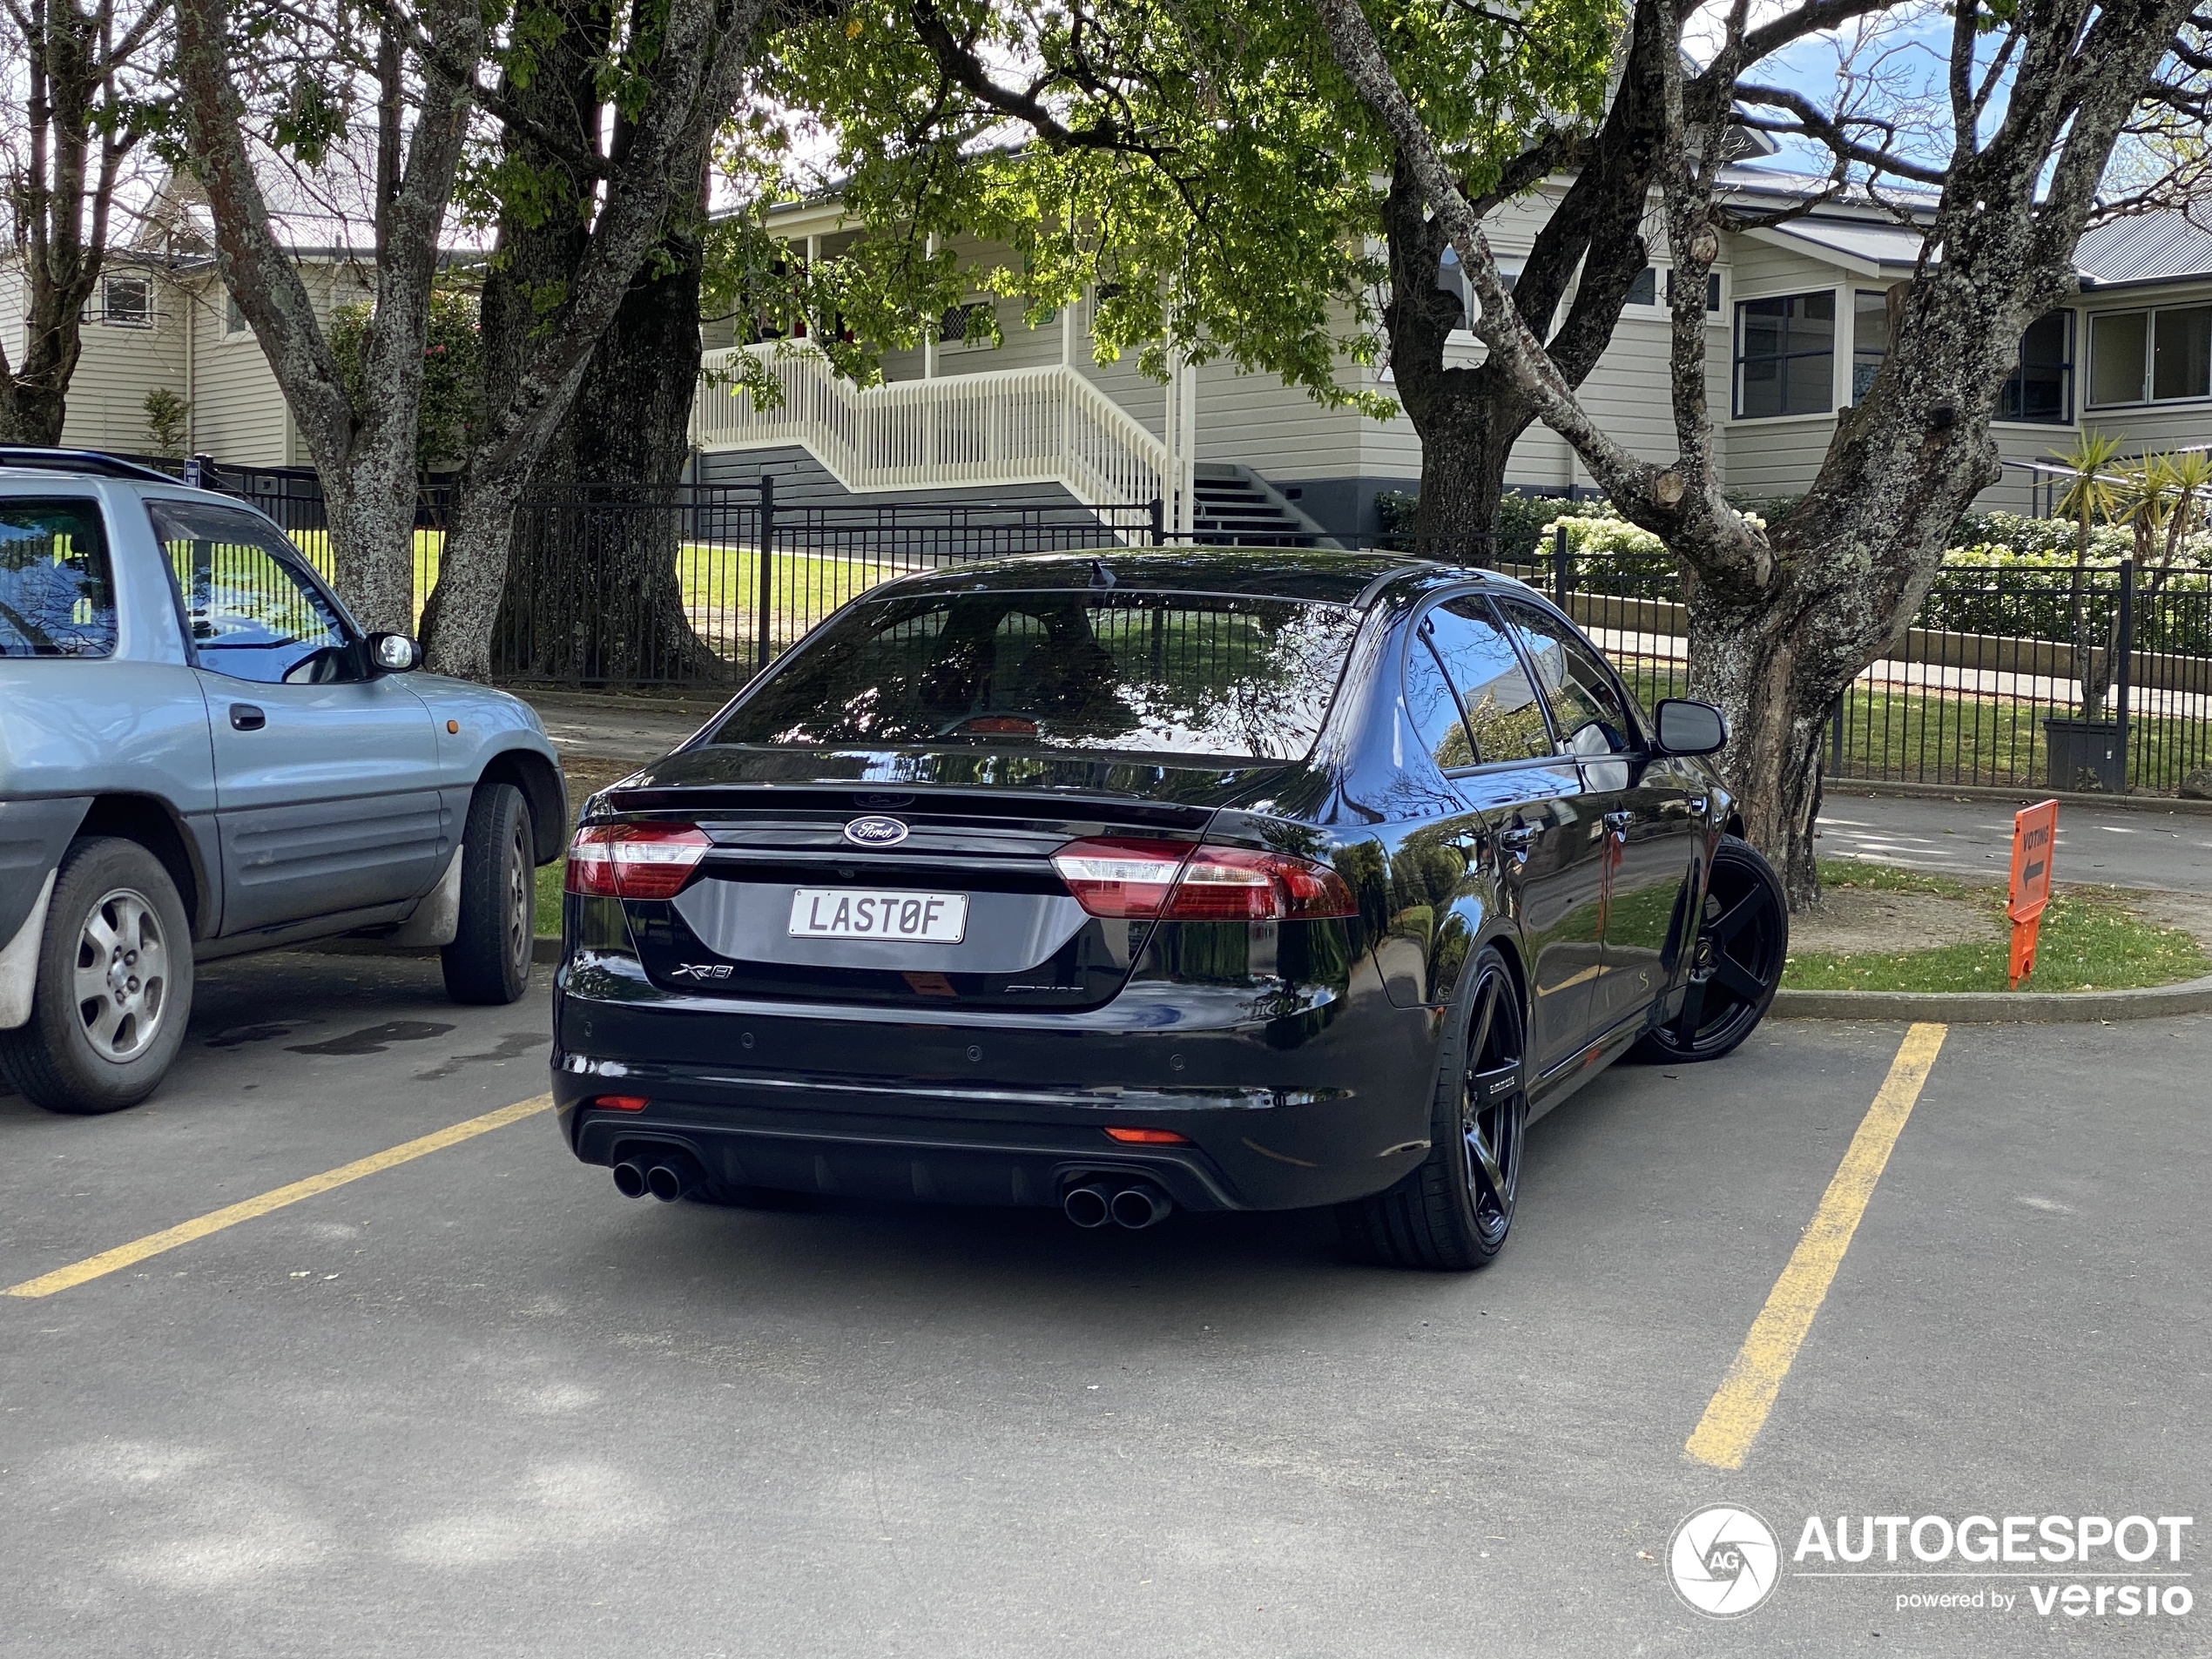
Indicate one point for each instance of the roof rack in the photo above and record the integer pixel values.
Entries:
(87, 461)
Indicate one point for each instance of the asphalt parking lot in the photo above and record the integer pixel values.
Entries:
(477, 1403)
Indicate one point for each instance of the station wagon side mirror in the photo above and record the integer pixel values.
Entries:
(1686, 727)
(394, 653)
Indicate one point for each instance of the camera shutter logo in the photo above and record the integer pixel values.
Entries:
(1723, 1562)
(875, 831)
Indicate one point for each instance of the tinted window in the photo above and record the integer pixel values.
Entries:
(1587, 709)
(1785, 356)
(252, 611)
(1434, 710)
(56, 592)
(1503, 713)
(1152, 673)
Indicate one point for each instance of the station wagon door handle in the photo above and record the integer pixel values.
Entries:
(1619, 822)
(246, 717)
(1517, 840)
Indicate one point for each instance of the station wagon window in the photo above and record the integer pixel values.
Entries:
(252, 612)
(57, 587)
(1503, 715)
(1785, 356)
(1100, 669)
(1587, 707)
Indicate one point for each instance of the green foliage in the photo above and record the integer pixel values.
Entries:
(1214, 181)
(452, 374)
(168, 419)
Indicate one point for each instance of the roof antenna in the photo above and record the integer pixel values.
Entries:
(1100, 575)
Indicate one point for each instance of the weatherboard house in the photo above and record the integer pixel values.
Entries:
(993, 409)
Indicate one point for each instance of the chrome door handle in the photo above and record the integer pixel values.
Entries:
(1619, 822)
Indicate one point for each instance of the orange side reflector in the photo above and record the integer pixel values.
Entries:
(1147, 1137)
(622, 1103)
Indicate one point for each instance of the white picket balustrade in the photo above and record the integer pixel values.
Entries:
(1020, 425)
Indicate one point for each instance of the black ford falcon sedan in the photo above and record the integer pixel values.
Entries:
(1231, 881)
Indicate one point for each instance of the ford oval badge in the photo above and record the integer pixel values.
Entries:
(875, 832)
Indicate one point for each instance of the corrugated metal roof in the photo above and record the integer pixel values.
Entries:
(2154, 247)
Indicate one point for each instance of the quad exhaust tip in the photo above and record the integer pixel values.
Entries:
(1134, 1204)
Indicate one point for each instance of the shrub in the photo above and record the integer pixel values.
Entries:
(168, 419)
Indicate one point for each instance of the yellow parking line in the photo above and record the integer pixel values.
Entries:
(1738, 1411)
(137, 1250)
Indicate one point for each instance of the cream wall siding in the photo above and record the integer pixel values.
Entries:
(119, 367)
(238, 416)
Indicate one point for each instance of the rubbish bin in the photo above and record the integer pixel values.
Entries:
(2085, 755)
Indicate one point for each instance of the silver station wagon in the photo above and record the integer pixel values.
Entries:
(202, 754)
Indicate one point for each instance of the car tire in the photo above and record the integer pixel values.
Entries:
(114, 984)
(1743, 942)
(488, 961)
(1452, 1213)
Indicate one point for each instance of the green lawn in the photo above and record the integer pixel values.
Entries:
(2089, 942)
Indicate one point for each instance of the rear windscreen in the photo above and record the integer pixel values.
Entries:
(1219, 675)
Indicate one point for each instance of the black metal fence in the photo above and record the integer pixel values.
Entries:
(707, 582)
(2029, 676)
(2035, 678)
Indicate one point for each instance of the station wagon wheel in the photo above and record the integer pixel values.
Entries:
(114, 982)
(488, 961)
(1743, 942)
(1453, 1211)
(122, 977)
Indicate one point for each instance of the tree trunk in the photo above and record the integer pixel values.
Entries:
(592, 591)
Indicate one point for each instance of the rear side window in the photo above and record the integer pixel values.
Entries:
(1224, 676)
(1586, 705)
(57, 587)
(252, 611)
(1503, 713)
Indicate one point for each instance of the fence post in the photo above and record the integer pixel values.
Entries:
(767, 562)
(1562, 567)
(1836, 735)
(2123, 667)
(1159, 520)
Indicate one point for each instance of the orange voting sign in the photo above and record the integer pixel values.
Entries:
(2035, 831)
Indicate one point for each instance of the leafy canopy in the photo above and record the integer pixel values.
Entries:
(1204, 163)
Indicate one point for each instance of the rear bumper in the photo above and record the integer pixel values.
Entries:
(999, 1110)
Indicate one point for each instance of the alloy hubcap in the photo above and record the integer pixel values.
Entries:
(521, 900)
(1493, 1108)
(122, 979)
(1737, 961)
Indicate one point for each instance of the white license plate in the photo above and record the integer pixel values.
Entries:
(870, 912)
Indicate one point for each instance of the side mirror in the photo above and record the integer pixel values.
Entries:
(1690, 728)
(394, 653)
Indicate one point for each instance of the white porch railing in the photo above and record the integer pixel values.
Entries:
(1020, 426)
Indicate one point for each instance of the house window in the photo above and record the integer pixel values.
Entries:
(2040, 386)
(1644, 291)
(1785, 356)
(1870, 339)
(234, 319)
(2150, 356)
(127, 302)
(976, 324)
(1712, 290)
(1453, 281)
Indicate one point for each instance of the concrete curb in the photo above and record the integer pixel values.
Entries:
(1882, 787)
(1998, 1008)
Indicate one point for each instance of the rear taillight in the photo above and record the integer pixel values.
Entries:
(634, 860)
(1158, 880)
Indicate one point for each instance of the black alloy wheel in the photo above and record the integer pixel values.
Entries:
(1742, 942)
(1454, 1212)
